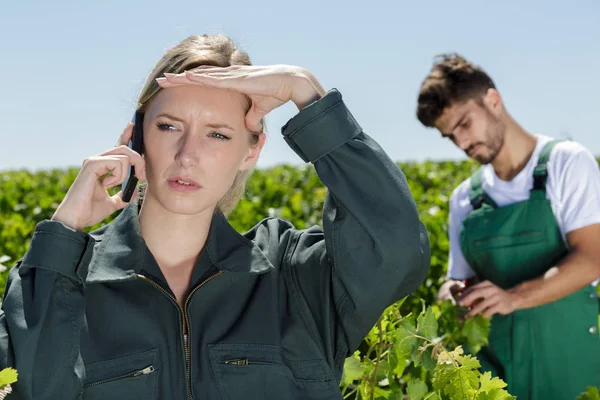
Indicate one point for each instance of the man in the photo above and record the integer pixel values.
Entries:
(524, 233)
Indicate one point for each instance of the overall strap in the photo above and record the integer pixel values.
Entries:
(540, 172)
(477, 196)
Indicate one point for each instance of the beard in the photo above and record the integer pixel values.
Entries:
(489, 149)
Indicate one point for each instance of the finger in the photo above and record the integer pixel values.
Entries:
(217, 68)
(134, 158)
(126, 135)
(117, 170)
(117, 202)
(477, 286)
(164, 83)
(224, 82)
(485, 292)
(177, 78)
(457, 287)
(495, 309)
(254, 118)
(180, 80)
(105, 169)
(489, 302)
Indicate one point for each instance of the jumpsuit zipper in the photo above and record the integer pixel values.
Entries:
(185, 323)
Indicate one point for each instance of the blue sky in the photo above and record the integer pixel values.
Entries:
(72, 69)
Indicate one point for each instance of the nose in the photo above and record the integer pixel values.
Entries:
(462, 141)
(187, 154)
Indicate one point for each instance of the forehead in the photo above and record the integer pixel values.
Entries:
(453, 114)
(198, 101)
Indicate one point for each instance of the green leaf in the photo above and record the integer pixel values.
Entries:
(396, 395)
(460, 382)
(451, 357)
(494, 394)
(416, 389)
(488, 383)
(592, 393)
(427, 324)
(405, 342)
(352, 369)
(8, 376)
(475, 330)
(425, 358)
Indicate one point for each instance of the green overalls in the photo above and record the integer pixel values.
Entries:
(551, 352)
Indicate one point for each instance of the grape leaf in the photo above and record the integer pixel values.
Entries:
(488, 383)
(460, 382)
(591, 393)
(406, 342)
(396, 395)
(475, 330)
(397, 365)
(416, 389)
(8, 376)
(424, 357)
(494, 394)
(451, 357)
(352, 369)
(427, 325)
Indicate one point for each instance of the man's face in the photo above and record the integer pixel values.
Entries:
(474, 127)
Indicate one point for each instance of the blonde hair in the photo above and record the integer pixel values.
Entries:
(194, 51)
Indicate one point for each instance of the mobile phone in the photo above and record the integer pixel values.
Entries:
(136, 143)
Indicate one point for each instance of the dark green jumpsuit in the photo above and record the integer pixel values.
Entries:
(547, 352)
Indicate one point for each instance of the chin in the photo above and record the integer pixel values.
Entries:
(484, 160)
(187, 209)
(182, 205)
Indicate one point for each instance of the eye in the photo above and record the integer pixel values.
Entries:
(465, 124)
(165, 127)
(218, 136)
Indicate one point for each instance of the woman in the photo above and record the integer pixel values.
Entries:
(168, 301)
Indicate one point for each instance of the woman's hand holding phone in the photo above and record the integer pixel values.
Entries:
(88, 202)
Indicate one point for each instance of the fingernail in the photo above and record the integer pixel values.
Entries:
(169, 75)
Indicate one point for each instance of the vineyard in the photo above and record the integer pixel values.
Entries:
(417, 350)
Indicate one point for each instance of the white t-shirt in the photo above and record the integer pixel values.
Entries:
(573, 188)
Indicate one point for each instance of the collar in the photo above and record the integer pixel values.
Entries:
(120, 251)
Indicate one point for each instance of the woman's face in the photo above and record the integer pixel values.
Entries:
(195, 142)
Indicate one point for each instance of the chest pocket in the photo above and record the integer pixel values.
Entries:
(132, 377)
(247, 371)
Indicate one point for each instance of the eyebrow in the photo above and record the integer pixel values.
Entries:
(462, 118)
(213, 125)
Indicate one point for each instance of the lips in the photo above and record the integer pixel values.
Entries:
(183, 184)
(183, 180)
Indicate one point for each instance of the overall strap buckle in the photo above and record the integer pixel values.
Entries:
(478, 197)
(540, 172)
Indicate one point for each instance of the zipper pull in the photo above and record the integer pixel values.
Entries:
(241, 361)
(148, 370)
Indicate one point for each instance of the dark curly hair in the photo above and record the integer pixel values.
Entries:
(452, 79)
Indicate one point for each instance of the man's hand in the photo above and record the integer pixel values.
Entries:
(488, 299)
(450, 290)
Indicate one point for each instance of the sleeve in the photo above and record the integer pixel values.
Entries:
(458, 267)
(373, 249)
(43, 313)
(578, 187)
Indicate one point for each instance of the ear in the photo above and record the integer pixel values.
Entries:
(253, 153)
(493, 101)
